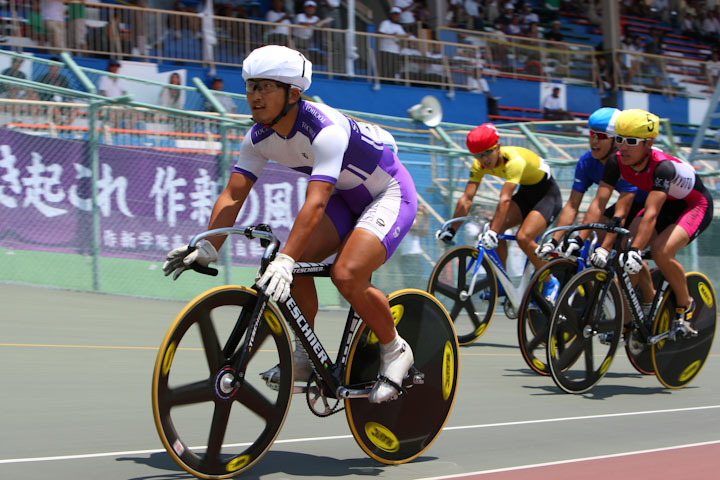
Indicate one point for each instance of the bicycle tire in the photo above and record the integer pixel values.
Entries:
(536, 311)
(451, 276)
(187, 387)
(573, 342)
(678, 362)
(400, 430)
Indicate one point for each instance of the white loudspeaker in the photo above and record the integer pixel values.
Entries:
(428, 111)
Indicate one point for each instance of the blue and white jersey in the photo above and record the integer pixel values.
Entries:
(329, 147)
(589, 171)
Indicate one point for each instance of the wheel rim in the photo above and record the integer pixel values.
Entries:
(577, 356)
(450, 278)
(191, 387)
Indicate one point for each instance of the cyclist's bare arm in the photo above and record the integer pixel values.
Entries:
(653, 204)
(622, 209)
(465, 202)
(569, 212)
(597, 206)
(503, 206)
(228, 205)
(312, 211)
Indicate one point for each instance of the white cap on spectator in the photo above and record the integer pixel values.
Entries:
(395, 10)
(334, 3)
(309, 3)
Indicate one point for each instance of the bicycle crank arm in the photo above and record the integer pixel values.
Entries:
(658, 338)
(413, 377)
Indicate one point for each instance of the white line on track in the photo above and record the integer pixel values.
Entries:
(342, 437)
(574, 460)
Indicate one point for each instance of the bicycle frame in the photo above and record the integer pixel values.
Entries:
(329, 373)
(628, 291)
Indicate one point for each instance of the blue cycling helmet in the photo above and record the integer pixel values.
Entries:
(603, 120)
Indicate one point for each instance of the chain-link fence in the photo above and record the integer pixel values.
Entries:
(94, 190)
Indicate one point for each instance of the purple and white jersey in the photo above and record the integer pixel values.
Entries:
(329, 147)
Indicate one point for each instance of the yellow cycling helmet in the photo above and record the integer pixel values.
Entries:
(637, 123)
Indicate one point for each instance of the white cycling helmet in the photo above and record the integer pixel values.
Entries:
(282, 64)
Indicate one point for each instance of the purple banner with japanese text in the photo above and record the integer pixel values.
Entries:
(149, 201)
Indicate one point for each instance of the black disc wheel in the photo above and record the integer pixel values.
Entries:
(677, 362)
(400, 430)
(450, 283)
(536, 311)
(585, 330)
(213, 421)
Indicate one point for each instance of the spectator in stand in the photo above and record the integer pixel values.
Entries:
(711, 27)
(54, 77)
(434, 66)
(689, 26)
(38, 34)
(473, 15)
(423, 16)
(491, 11)
(77, 29)
(172, 97)
(529, 16)
(330, 13)
(504, 20)
(605, 81)
(389, 47)
(411, 61)
(225, 101)
(407, 14)
(278, 35)
(514, 27)
(660, 10)
(53, 15)
(112, 35)
(533, 31)
(14, 70)
(138, 27)
(112, 86)
(454, 13)
(554, 33)
(655, 66)
(304, 36)
(553, 108)
(712, 68)
(634, 62)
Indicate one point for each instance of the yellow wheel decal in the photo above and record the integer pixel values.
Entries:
(382, 437)
(167, 361)
(479, 331)
(605, 365)
(705, 294)
(448, 370)
(689, 371)
(237, 463)
(540, 365)
(273, 322)
(397, 312)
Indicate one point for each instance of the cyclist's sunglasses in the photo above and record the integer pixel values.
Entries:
(599, 135)
(631, 141)
(262, 86)
(485, 153)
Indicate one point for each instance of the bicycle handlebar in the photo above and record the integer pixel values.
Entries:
(261, 231)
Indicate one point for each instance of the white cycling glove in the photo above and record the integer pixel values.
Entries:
(631, 261)
(572, 247)
(543, 251)
(599, 257)
(278, 277)
(489, 240)
(445, 234)
(179, 260)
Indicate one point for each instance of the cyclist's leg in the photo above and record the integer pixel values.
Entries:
(538, 206)
(533, 226)
(642, 279)
(664, 247)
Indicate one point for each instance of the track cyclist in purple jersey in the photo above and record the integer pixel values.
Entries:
(533, 206)
(677, 209)
(589, 171)
(360, 203)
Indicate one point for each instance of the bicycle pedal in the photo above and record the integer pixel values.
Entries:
(299, 389)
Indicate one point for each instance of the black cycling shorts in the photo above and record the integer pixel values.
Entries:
(543, 197)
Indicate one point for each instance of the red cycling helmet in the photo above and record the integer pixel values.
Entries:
(482, 138)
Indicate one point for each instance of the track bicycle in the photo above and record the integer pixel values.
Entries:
(469, 280)
(536, 311)
(217, 417)
(584, 333)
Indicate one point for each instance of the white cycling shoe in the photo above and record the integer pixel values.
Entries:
(303, 367)
(395, 361)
